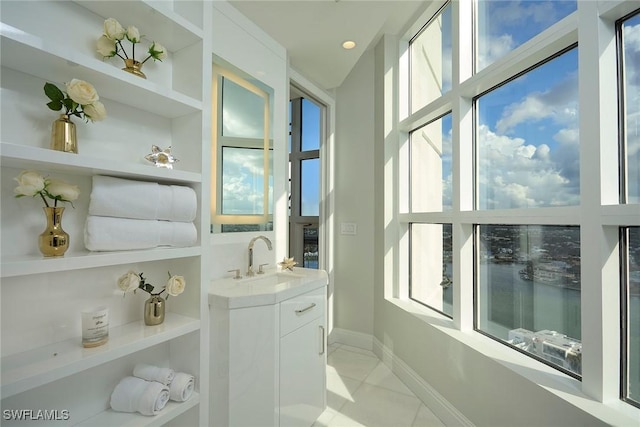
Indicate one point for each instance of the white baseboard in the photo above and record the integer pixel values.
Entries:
(354, 339)
(440, 406)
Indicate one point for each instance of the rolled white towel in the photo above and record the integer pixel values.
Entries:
(153, 373)
(137, 395)
(126, 198)
(154, 398)
(181, 388)
(102, 233)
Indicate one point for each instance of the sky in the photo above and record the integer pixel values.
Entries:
(632, 95)
(528, 129)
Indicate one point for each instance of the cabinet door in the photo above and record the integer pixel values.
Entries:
(303, 374)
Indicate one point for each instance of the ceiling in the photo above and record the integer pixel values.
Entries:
(312, 31)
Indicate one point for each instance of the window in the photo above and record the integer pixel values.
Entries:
(431, 166)
(304, 163)
(527, 139)
(431, 60)
(631, 291)
(630, 97)
(504, 25)
(629, 88)
(511, 200)
(430, 253)
(529, 290)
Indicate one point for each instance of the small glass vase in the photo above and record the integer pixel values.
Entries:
(63, 135)
(154, 310)
(134, 67)
(53, 241)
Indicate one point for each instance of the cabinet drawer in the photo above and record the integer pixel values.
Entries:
(298, 311)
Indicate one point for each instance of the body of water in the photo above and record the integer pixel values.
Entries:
(509, 302)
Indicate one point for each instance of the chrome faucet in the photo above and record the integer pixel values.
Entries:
(251, 243)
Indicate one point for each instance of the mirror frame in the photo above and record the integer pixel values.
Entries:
(218, 218)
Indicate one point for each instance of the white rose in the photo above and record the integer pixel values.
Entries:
(133, 35)
(106, 47)
(157, 51)
(62, 190)
(175, 285)
(113, 29)
(30, 183)
(82, 92)
(129, 281)
(95, 111)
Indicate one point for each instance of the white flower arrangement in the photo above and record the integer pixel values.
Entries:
(110, 43)
(80, 100)
(31, 184)
(132, 281)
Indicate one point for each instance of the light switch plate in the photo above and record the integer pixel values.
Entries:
(349, 228)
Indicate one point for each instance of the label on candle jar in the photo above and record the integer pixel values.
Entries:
(95, 327)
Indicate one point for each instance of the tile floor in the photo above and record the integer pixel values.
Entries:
(362, 391)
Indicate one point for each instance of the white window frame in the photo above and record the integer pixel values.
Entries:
(599, 214)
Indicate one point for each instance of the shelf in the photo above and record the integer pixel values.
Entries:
(29, 157)
(34, 368)
(156, 23)
(49, 61)
(111, 418)
(36, 264)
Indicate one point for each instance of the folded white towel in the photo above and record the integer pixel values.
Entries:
(125, 198)
(104, 233)
(181, 388)
(154, 373)
(137, 395)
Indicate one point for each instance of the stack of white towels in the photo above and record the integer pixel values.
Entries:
(150, 388)
(126, 215)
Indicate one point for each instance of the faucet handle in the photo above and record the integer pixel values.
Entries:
(237, 273)
(260, 271)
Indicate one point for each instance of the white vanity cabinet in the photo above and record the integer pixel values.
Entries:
(303, 358)
(268, 343)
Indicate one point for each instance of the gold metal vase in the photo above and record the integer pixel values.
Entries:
(53, 241)
(134, 67)
(63, 135)
(154, 310)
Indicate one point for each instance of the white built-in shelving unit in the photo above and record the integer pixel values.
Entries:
(44, 365)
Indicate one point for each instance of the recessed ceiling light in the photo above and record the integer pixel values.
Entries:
(349, 44)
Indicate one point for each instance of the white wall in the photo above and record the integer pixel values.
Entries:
(241, 43)
(354, 199)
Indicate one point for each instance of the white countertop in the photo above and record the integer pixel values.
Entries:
(229, 293)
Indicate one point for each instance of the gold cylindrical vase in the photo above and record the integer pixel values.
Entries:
(63, 135)
(134, 67)
(154, 311)
(53, 241)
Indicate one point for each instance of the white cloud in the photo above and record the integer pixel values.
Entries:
(493, 48)
(242, 181)
(559, 103)
(507, 24)
(514, 174)
(632, 102)
(517, 13)
(240, 124)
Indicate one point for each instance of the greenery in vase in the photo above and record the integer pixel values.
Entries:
(110, 43)
(80, 100)
(132, 281)
(32, 184)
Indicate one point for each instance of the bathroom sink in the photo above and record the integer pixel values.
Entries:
(270, 279)
(269, 288)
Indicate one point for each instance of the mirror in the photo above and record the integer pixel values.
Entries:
(241, 154)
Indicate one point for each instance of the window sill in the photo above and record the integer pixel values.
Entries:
(565, 387)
